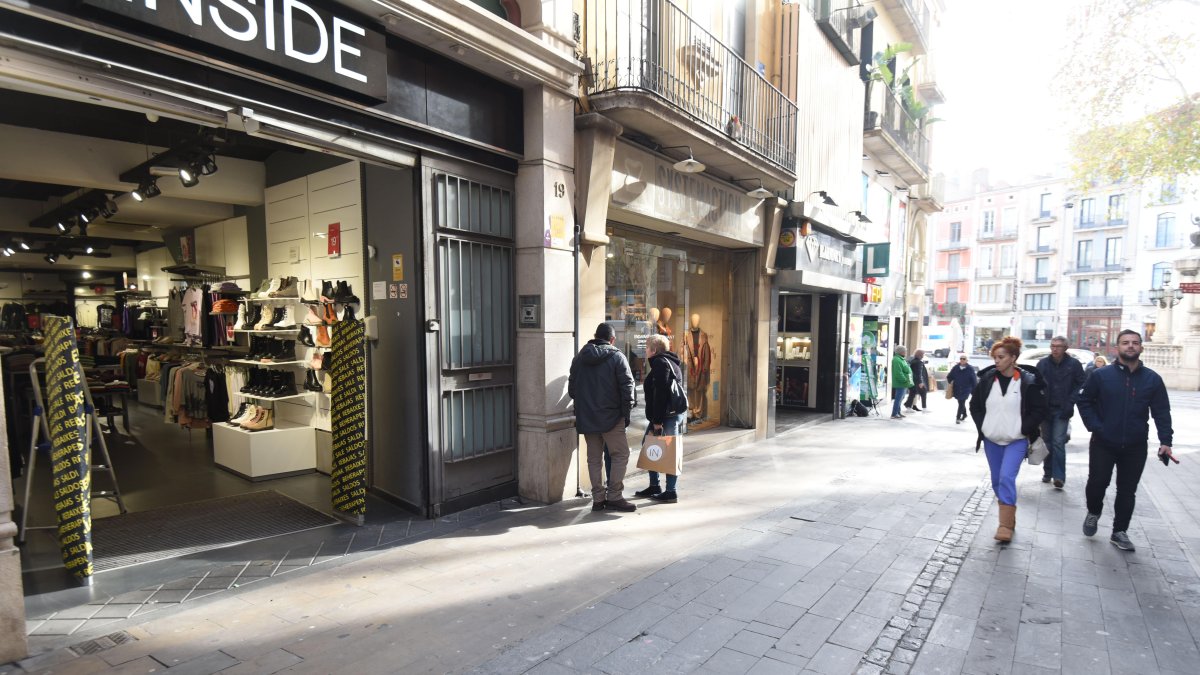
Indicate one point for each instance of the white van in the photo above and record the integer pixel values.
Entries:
(941, 341)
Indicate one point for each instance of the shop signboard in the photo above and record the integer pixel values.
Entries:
(649, 186)
(1190, 287)
(303, 36)
(67, 422)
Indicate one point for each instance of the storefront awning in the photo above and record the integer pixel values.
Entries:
(818, 281)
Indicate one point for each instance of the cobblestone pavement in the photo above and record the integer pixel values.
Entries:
(861, 545)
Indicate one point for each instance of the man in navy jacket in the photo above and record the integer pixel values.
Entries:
(1063, 375)
(1115, 404)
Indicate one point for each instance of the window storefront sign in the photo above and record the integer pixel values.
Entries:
(332, 46)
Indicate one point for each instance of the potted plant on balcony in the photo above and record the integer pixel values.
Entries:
(880, 71)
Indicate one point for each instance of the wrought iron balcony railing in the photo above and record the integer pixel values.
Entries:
(895, 121)
(654, 47)
(1096, 301)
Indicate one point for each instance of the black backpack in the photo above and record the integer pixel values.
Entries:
(679, 402)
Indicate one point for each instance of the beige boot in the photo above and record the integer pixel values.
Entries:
(1008, 522)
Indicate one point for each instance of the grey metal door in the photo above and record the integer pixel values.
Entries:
(471, 336)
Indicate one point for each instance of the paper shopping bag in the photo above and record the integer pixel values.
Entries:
(663, 454)
(950, 390)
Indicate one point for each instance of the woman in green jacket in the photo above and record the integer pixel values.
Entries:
(901, 379)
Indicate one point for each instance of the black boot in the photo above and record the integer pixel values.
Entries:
(344, 293)
(305, 338)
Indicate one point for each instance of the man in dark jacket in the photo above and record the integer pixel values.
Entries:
(1063, 376)
(920, 386)
(1115, 405)
(601, 385)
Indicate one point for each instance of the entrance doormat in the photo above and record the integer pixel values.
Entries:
(183, 529)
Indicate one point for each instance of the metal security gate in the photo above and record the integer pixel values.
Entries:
(471, 337)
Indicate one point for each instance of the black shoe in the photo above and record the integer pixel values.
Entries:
(648, 492)
(1045, 478)
(305, 338)
(1058, 483)
(668, 497)
(598, 506)
(619, 505)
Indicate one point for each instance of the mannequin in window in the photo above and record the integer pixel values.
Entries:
(698, 356)
(663, 324)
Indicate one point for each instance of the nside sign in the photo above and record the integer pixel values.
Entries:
(291, 34)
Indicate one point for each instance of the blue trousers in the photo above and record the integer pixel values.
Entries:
(897, 396)
(671, 427)
(1054, 431)
(1005, 462)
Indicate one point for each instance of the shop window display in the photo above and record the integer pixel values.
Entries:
(678, 291)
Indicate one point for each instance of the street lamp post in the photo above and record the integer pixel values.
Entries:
(1164, 295)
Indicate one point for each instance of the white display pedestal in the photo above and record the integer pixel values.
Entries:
(285, 450)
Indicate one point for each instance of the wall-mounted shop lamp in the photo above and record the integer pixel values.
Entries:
(759, 192)
(689, 165)
(824, 197)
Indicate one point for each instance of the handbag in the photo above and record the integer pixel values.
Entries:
(1038, 452)
(949, 390)
(663, 454)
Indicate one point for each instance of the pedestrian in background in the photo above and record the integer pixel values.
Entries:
(1098, 362)
(1008, 406)
(901, 379)
(920, 378)
(601, 385)
(1115, 404)
(1063, 376)
(962, 379)
(664, 367)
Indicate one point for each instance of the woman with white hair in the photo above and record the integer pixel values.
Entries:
(664, 367)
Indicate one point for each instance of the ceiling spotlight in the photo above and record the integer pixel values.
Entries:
(862, 217)
(882, 174)
(89, 250)
(8, 251)
(24, 246)
(188, 178)
(51, 258)
(147, 190)
(62, 227)
(689, 165)
(824, 197)
(86, 274)
(205, 166)
(108, 209)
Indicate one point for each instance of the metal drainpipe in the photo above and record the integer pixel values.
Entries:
(575, 255)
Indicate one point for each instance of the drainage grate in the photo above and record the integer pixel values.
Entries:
(102, 643)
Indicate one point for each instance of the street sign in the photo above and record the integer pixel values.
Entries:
(1190, 287)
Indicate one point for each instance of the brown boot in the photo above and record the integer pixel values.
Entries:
(1008, 522)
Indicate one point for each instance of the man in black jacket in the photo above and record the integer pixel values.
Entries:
(1115, 404)
(1063, 376)
(601, 385)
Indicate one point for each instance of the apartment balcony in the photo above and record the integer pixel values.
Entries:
(1101, 223)
(662, 76)
(894, 137)
(929, 197)
(912, 20)
(952, 245)
(1155, 243)
(927, 83)
(996, 273)
(999, 234)
(949, 309)
(946, 276)
(1043, 282)
(1095, 301)
(1035, 248)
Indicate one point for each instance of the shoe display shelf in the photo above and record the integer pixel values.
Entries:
(288, 449)
(280, 331)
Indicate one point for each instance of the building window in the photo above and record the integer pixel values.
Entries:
(1009, 222)
(1041, 271)
(1164, 232)
(1116, 208)
(1087, 211)
(955, 232)
(1156, 276)
(1007, 258)
(953, 262)
(989, 223)
(1083, 288)
(985, 258)
(1043, 238)
(991, 293)
(952, 295)
(1083, 254)
(1112, 288)
(1112, 252)
(1034, 301)
(1044, 206)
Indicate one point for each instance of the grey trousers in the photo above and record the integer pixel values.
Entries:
(618, 450)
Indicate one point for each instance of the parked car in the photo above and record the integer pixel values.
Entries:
(1030, 357)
